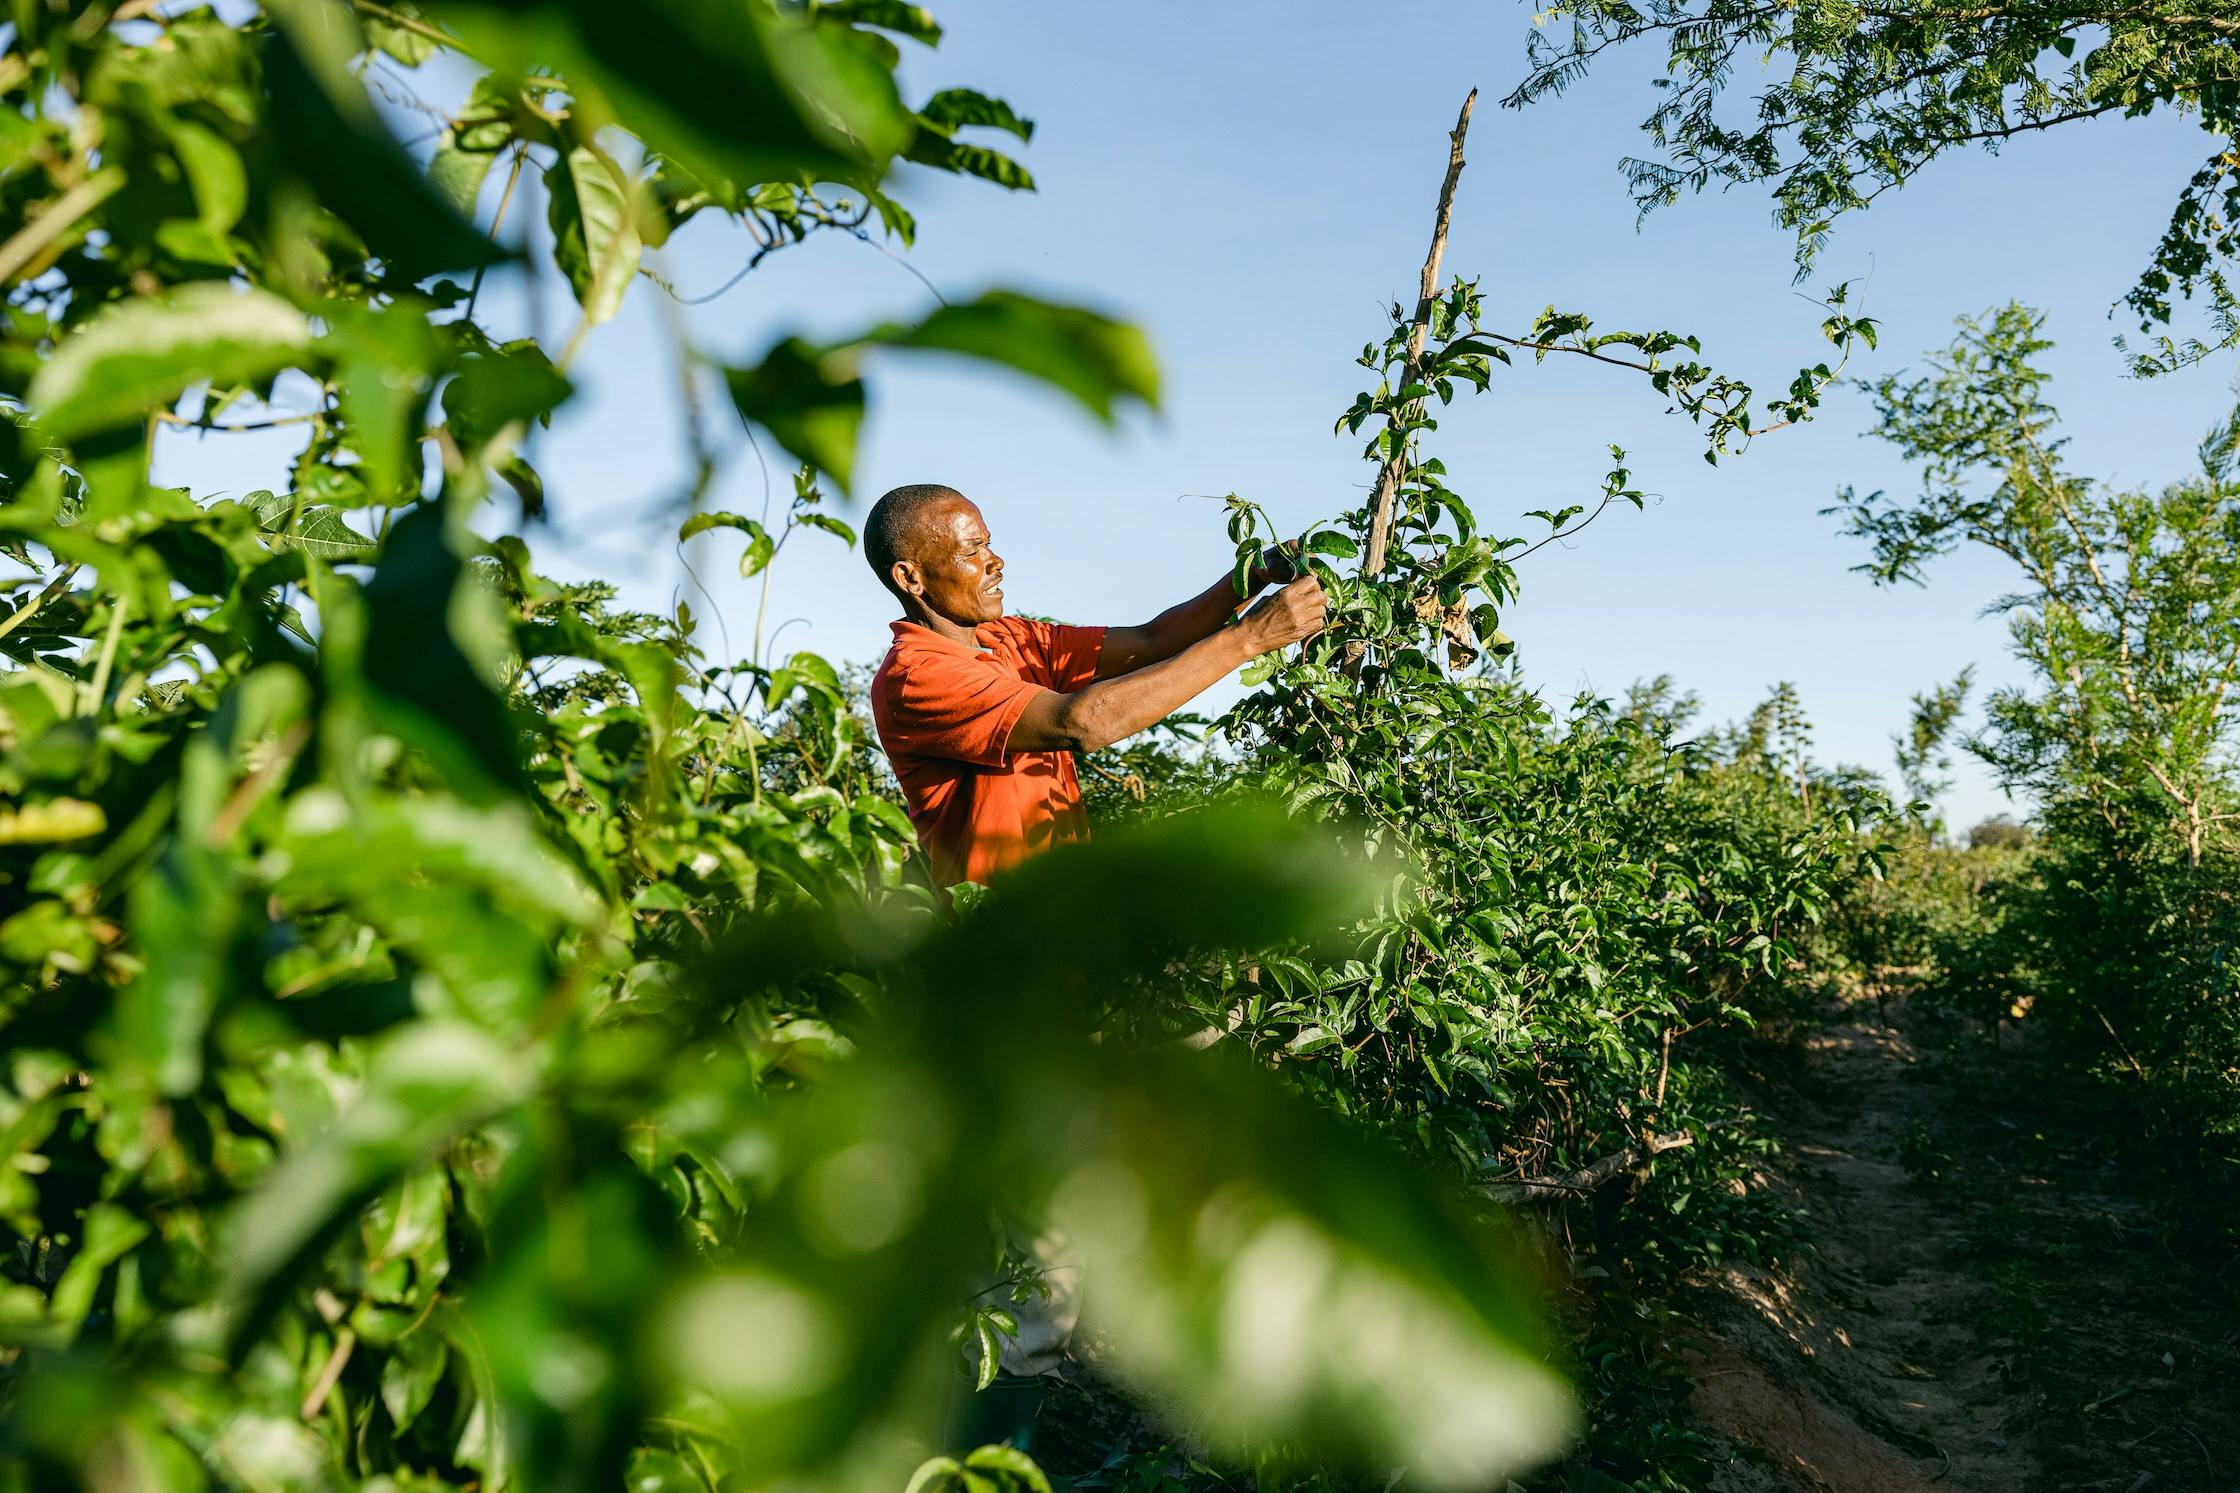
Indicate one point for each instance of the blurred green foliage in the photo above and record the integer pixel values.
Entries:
(460, 1032)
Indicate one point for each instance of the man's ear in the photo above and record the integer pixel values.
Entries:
(908, 579)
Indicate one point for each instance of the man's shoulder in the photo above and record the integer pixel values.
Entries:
(888, 675)
(1031, 636)
(1013, 628)
(919, 662)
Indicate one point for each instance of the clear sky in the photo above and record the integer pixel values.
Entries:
(1252, 183)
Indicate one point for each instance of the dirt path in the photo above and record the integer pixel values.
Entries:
(1987, 1308)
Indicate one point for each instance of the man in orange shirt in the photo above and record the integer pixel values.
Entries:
(980, 712)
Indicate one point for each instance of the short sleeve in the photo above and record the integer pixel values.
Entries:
(1059, 657)
(956, 705)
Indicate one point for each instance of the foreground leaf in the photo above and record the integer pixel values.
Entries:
(335, 139)
(134, 360)
(1099, 361)
(810, 401)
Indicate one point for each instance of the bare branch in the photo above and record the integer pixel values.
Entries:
(1388, 476)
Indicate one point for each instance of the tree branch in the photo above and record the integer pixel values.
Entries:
(1388, 476)
(1566, 1185)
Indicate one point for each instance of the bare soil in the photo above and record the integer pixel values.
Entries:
(1992, 1303)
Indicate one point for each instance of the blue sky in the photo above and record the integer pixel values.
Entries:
(1252, 183)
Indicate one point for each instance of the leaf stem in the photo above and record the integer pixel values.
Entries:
(413, 24)
(89, 700)
(25, 612)
(28, 242)
(313, 417)
(497, 221)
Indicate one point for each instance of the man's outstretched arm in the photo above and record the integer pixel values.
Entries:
(1101, 713)
(1127, 649)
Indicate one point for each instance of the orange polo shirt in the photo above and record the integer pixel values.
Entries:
(945, 713)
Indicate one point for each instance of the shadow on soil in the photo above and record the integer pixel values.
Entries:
(1991, 1303)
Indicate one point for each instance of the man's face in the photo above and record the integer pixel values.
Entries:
(951, 566)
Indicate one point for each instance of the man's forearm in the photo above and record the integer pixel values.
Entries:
(1102, 713)
(1166, 635)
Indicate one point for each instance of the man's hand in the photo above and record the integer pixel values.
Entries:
(1280, 564)
(1297, 612)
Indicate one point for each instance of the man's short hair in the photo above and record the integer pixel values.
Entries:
(886, 531)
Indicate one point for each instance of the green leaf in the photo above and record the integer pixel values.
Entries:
(51, 822)
(429, 1083)
(527, 484)
(829, 524)
(739, 90)
(758, 551)
(1097, 360)
(1343, 1304)
(934, 1475)
(184, 910)
(810, 401)
(330, 133)
(470, 144)
(458, 173)
(422, 653)
(595, 232)
(701, 523)
(991, 1354)
(131, 361)
(514, 382)
(335, 486)
(322, 533)
(214, 170)
(409, 47)
(654, 1471)
(107, 1235)
(942, 154)
(803, 669)
(382, 371)
(410, 1374)
(955, 108)
(760, 546)
(1013, 1463)
(913, 21)
(1485, 622)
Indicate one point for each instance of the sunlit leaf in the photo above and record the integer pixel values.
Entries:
(594, 230)
(1100, 362)
(736, 90)
(323, 533)
(132, 361)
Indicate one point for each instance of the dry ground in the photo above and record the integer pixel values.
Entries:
(2019, 1320)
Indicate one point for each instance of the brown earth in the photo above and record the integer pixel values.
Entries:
(2006, 1313)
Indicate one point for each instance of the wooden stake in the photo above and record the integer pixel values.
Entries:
(1388, 476)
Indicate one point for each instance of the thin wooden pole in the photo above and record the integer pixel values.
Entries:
(1388, 476)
